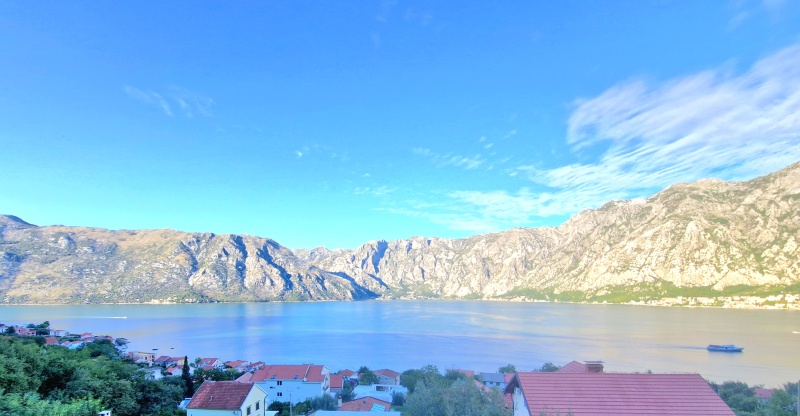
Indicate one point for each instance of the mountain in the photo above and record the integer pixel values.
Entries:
(706, 237)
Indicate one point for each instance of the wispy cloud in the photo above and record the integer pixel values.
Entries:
(449, 159)
(711, 123)
(186, 102)
(150, 98)
(639, 137)
(378, 191)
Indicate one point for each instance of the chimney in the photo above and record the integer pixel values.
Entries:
(594, 366)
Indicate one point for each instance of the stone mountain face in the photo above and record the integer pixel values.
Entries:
(706, 234)
(74, 265)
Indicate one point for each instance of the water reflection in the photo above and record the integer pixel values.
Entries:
(466, 334)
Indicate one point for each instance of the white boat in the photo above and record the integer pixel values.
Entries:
(725, 348)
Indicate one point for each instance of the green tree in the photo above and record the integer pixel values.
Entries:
(428, 374)
(323, 402)
(507, 369)
(281, 407)
(187, 378)
(398, 399)
(461, 398)
(740, 397)
(347, 391)
(548, 367)
(366, 377)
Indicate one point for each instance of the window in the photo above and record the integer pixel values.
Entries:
(258, 405)
(280, 383)
(248, 410)
(280, 394)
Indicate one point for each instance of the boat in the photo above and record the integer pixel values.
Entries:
(725, 348)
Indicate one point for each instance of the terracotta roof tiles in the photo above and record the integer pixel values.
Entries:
(365, 404)
(220, 395)
(596, 394)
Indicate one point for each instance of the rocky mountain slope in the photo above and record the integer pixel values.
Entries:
(710, 235)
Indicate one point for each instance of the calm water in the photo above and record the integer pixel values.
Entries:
(473, 335)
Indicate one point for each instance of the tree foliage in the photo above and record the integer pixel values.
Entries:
(366, 377)
(323, 402)
(507, 369)
(742, 399)
(79, 382)
(347, 391)
(461, 398)
(548, 367)
(428, 374)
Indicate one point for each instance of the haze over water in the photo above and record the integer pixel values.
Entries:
(471, 335)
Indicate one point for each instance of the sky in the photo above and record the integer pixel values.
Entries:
(334, 123)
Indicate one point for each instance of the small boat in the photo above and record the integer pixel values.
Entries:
(725, 348)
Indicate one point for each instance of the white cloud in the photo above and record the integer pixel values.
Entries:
(150, 98)
(377, 191)
(714, 123)
(188, 102)
(639, 137)
(449, 159)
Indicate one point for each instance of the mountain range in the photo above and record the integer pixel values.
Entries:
(709, 237)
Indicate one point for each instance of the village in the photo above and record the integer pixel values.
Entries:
(257, 388)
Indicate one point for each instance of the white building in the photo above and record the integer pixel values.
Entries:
(293, 383)
(228, 398)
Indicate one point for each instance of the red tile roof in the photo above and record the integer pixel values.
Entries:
(364, 405)
(245, 378)
(765, 394)
(347, 373)
(573, 367)
(337, 381)
(387, 373)
(220, 395)
(310, 372)
(595, 394)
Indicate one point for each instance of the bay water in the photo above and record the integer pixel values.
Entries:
(472, 335)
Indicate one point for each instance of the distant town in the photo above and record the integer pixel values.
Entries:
(780, 301)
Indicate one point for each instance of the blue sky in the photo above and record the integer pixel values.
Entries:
(332, 123)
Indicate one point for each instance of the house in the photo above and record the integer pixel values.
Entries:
(226, 398)
(764, 394)
(386, 376)
(366, 404)
(600, 393)
(336, 383)
(58, 333)
(51, 341)
(346, 374)
(141, 357)
(585, 367)
(152, 373)
(494, 380)
(293, 383)
(73, 345)
(255, 366)
(211, 363)
(379, 391)
(238, 365)
(24, 332)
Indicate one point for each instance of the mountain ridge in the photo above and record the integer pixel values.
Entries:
(708, 234)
